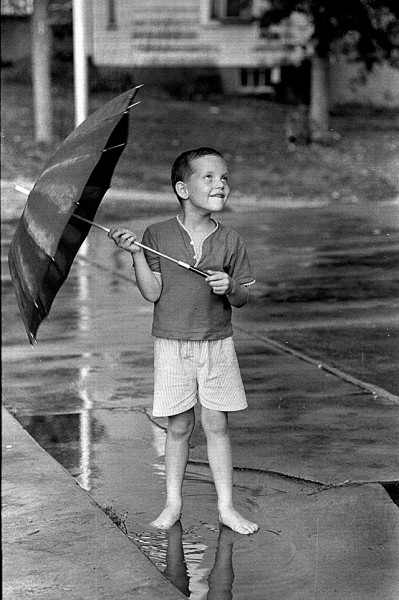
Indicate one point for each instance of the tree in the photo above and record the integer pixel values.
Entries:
(363, 30)
(41, 62)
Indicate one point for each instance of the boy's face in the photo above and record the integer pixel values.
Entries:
(207, 187)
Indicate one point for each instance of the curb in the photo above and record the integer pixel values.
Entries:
(57, 542)
(375, 390)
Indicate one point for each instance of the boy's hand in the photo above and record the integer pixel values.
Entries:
(220, 282)
(124, 239)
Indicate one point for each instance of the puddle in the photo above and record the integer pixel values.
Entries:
(118, 457)
(392, 490)
(179, 554)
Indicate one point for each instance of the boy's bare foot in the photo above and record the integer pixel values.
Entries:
(168, 517)
(233, 519)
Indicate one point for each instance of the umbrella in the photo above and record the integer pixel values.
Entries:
(59, 211)
(75, 180)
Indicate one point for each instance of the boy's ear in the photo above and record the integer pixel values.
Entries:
(182, 190)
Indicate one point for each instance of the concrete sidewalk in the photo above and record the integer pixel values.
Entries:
(57, 542)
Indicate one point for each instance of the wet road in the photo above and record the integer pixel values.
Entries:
(327, 280)
(327, 285)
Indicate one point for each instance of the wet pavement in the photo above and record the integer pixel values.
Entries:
(313, 448)
(57, 542)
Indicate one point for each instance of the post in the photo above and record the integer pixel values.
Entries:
(80, 62)
(319, 102)
(41, 72)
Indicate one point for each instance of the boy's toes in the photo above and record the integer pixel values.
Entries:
(247, 528)
(167, 518)
(233, 519)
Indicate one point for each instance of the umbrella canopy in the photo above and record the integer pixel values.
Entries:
(75, 180)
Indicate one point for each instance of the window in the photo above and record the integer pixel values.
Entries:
(232, 11)
(16, 8)
(259, 80)
(112, 24)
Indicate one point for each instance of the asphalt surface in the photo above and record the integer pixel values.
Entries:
(314, 457)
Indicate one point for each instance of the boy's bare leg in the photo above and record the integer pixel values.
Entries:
(180, 428)
(215, 424)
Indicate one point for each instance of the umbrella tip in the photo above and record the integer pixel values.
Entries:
(21, 189)
(32, 340)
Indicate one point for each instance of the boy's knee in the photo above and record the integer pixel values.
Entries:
(214, 422)
(181, 425)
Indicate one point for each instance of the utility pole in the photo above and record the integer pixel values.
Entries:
(80, 62)
(41, 72)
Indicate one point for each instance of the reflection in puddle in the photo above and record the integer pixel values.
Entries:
(197, 560)
(68, 438)
(179, 556)
(85, 429)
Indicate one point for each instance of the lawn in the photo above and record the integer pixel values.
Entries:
(249, 131)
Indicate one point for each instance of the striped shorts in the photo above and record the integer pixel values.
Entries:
(186, 371)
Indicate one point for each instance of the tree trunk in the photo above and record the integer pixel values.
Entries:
(41, 72)
(319, 98)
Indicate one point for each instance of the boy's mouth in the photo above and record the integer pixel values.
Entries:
(218, 196)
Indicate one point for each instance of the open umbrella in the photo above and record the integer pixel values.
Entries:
(60, 208)
(75, 180)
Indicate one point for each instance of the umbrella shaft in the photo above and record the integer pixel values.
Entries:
(178, 262)
(92, 223)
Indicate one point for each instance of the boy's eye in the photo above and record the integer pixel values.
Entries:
(225, 178)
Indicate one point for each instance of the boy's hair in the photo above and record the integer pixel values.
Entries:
(182, 168)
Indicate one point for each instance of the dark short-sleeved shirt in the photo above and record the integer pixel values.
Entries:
(187, 308)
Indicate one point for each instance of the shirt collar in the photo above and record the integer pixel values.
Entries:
(185, 228)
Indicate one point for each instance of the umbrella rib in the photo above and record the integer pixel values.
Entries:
(131, 105)
(113, 147)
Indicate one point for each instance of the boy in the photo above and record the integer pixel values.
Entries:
(194, 351)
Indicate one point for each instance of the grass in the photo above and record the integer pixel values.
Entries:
(118, 519)
(249, 131)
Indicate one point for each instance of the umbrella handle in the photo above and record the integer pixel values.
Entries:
(178, 262)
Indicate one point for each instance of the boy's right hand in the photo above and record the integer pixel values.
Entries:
(124, 239)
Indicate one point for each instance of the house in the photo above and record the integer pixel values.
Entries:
(194, 44)
(194, 47)
(198, 43)
(15, 30)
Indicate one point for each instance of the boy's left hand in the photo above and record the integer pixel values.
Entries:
(220, 282)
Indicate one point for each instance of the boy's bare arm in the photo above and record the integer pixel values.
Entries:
(150, 285)
(222, 284)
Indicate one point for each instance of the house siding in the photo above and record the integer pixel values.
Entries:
(173, 34)
(152, 33)
(156, 40)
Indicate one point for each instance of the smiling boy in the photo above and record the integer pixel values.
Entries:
(194, 355)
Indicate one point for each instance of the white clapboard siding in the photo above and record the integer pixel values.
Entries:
(160, 33)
